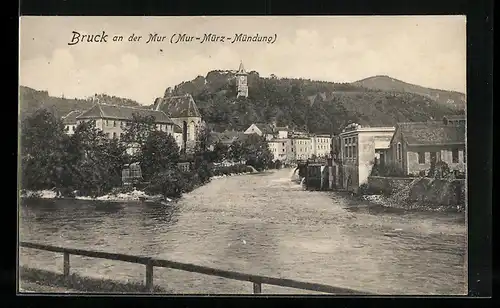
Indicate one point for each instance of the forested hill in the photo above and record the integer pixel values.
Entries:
(305, 104)
(387, 83)
(31, 100)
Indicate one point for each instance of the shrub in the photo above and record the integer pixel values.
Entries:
(388, 169)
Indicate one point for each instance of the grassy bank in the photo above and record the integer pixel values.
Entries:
(38, 280)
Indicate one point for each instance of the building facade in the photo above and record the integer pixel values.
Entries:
(416, 146)
(113, 119)
(301, 147)
(241, 82)
(321, 145)
(184, 113)
(359, 147)
(70, 122)
(281, 150)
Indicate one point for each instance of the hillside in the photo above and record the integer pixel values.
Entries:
(31, 100)
(315, 106)
(386, 83)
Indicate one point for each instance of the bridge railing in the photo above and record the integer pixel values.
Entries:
(150, 263)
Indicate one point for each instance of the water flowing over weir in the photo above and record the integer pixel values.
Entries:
(262, 224)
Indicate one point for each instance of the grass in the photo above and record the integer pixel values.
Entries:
(41, 280)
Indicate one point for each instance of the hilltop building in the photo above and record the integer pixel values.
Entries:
(184, 113)
(359, 147)
(417, 145)
(241, 82)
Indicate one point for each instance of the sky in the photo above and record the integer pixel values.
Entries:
(424, 50)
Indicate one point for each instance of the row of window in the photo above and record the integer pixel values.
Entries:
(123, 124)
(350, 151)
(350, 140)
(323, 140)
(437, 156)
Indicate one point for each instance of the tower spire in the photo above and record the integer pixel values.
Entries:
(241, 69)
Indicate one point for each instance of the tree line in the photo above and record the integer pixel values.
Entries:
(91, 164)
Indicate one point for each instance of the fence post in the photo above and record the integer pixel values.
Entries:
(257, 288)
(149, 276)
(66, 265)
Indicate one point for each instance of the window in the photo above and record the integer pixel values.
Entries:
(354, 151)
(454, 154)
(399, 153)
(465, 156)
(107, 122)
(114, 135)
(438, 156)
(114, 123)
(345, 150)
(421, 157)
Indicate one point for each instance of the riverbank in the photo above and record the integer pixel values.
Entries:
(121, 194)
(391, 202)
(43, 281)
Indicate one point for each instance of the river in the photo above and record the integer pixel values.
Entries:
(258, 224)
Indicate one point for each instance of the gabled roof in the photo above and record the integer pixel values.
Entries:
(70, 118)
(431, 133)
(265, 128)
(181, 106)
(100, 111)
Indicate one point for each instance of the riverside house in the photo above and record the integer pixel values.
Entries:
(359, 147)
(281, 149)
(416, 145)
(112, 119)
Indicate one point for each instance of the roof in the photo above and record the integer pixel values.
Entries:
(431, 133)
(227, 137)
(281, 128)
(265, 128)
(99, 111)
(70, 118)
(181, 106)
(241, 69)
(177, 129)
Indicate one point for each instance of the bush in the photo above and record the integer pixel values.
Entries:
(388, 169)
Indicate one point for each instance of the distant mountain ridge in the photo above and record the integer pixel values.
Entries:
(314, 106)
(386, 83)
(30, 100)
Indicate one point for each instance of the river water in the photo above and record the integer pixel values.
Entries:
(258, 224)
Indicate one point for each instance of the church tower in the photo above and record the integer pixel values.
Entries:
(241, 81)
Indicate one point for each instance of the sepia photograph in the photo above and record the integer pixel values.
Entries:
(241, 155)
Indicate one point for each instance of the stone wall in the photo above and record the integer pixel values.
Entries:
(387, 185)
(428, 191)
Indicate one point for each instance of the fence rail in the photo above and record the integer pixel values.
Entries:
(150, 263)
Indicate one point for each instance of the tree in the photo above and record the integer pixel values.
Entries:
(256, 152)
(237, 151)
(158, 153)
(95, 161)
(202, 155)
(42, 151)
(220, 152)
(138, 130)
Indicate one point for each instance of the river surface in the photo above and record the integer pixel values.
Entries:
(260, 224)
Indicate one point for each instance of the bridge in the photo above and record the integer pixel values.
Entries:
(151, 263)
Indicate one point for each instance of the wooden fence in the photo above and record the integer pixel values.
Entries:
(150, 263)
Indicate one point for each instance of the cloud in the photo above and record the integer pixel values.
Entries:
(422, 50)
